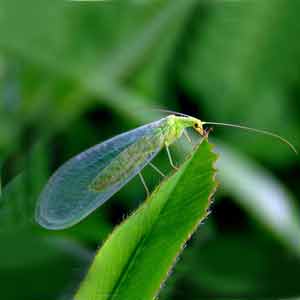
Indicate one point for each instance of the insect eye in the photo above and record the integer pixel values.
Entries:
(196, 125)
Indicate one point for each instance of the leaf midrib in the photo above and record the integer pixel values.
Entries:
(140, 245)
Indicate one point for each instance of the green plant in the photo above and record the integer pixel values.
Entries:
(137, 257)
(75, 74)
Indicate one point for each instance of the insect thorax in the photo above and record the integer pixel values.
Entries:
(173, 129)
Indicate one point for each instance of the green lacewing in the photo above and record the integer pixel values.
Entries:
(89, 179)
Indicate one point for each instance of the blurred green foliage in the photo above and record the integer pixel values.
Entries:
(74, 74)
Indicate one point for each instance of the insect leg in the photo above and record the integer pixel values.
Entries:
(170, 158)
(157, 169)
(188, 138)
(144, 184)
(207, 131)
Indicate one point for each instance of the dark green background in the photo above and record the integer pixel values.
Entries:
(73, 74)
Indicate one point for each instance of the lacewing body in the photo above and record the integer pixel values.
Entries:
(89, 179)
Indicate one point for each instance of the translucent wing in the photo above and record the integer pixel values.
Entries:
(89, 179)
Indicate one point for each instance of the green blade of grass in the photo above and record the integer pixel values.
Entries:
(261, 195)
(136, 259)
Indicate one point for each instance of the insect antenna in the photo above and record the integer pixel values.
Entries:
(170, 112)
(277, 136)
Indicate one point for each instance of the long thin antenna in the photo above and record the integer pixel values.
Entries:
(170, 112)
(257, 131)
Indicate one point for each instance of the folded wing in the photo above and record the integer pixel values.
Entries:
(89, 179)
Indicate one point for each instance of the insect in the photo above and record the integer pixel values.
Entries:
(89, 179)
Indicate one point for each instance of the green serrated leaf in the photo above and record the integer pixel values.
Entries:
(136, 259)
